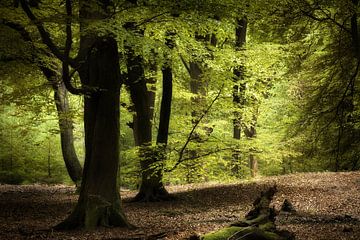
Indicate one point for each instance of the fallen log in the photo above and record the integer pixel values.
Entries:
(258, 224)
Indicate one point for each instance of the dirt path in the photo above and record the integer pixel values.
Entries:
(327, 204)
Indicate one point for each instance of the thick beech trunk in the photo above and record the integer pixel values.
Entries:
(98, 65)
(99, 202)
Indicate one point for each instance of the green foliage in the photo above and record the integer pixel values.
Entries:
(300, 88)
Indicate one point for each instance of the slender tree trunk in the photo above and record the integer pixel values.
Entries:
(198, 86)
(355, 31)
(140, 97)
(253, 165)
(238, 89)
(49, 158)
(151, 186)
(165, 109)
(62, 105)
(71, 160)
(250, 132)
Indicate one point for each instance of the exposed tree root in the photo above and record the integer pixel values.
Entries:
(153, 194)
(93, 213)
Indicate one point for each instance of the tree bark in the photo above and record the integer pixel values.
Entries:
(165, 109)
(98, 65)
(238, 90)
(62, 105)
(250, 132)
(61, 100)
(140, 97)
(99, 202)
(151, 186)
(198, 86)
(65, 125)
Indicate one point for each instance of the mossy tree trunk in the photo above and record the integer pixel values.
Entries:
(99, 202)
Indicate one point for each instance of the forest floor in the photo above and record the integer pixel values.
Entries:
(327, 205)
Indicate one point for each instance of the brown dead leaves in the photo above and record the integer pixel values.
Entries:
(327, 207)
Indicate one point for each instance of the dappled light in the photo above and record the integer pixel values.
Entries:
(159, 119)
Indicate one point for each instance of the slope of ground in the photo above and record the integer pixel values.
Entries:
(327, 204)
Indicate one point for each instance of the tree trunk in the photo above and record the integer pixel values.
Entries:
(253, 165)
(62, 105)
(238, 91)
(99, 202)
(66, 133)
(250, 132)
(65, 124)
(140, 97)
(165, 109)
(98, 65)
(71, 160)
(240, 34)
(198, 86)
(151, 186)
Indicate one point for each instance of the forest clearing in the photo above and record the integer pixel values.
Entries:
(326, 204)
(163, 119)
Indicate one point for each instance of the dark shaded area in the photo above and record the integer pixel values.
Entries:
(30, 211)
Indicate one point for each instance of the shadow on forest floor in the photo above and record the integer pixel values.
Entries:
(327, 207)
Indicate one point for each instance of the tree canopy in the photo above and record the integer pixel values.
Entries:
(177, 91)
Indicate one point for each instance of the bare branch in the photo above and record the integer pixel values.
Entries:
(198, 156)
(197, 122)
(185, 64)
(151, 19)
(19, 28)
(327, 18)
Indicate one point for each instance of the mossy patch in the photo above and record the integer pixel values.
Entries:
(224, 233)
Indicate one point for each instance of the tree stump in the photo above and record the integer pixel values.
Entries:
(258, 224)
